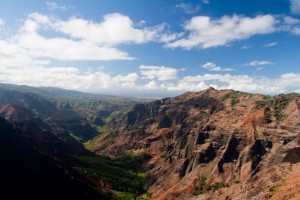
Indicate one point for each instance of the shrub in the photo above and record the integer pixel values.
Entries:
(202, 186)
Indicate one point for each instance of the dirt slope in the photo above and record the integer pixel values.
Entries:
(214, 144)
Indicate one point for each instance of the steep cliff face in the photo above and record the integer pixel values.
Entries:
(212, 144)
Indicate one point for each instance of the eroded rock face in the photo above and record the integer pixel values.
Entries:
(230, 138)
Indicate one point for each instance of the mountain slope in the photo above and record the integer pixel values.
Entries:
(37, 104)
(26, 173)
(81, 114)
(211, 144)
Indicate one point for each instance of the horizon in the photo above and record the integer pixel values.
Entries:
(151, 48)
(50, 89)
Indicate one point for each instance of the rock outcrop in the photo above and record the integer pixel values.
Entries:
(213, 144)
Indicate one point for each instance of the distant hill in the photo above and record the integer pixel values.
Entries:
(82, 114)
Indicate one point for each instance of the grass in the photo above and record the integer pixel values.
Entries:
(121, 173)
(277, 103)
(200, 187)
(123, 196)
(233, 96)
(203, 187)
(128, 196)
(103, 138)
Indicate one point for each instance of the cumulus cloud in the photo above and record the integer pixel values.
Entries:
(289, 82)
(255, 84)
(295, 6)
(67, 77)
(161, 73)
(213, 67)
(67, 49)
(27, 56)
(20, 69)
(205, 32)
(114, 29)
(152, 85)
(188, 8)
(80, 39)
(291, 24)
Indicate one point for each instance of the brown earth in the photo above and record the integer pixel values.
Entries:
(244, 146)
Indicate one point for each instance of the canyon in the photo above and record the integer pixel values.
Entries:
(212, 144)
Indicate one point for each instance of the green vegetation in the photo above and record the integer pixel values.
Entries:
(128, 196)
(146, 196)
(123, 196)
(203, 187)
(81, 113)
(276, 103)
(121, 173)
(216, 186)
(133, 160)
(268, 115)
(233, 96)
(273, 189)
(101, 141)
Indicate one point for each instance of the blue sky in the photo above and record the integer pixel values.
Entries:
(152, 47)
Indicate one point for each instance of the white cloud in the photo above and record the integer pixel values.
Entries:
(296, 31)
(290, 20)
(26, 58)
(188, 86)
(245, 83)
(271, 44)
(160, 73)
(246, 47)
(151, 85)
(19, 69)
(114, 29)
(54, 6)
(188, 8)
(291, 24)
(256, 63)
(80, 39)
(205, 32)
(66, 49)
(205, 1)
(170, 37)
(213, 67)
(295, 6)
